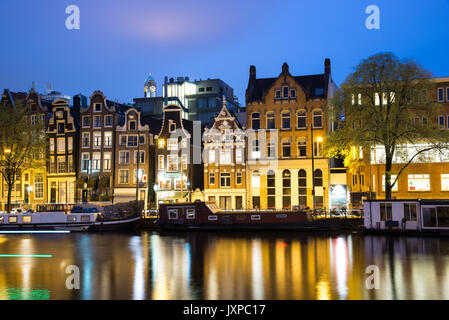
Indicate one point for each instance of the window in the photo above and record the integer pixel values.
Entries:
(26, 219)
(86, 139)
(12, 219)
(271, 150)
(271, 189)
(52, 145)
(123, 140)
(392, 179)
(418, 182)
(293, 93)
(440, 94)
(190, 214)
(317, 119)
(172, 214)
(85, 162)
(255, 148)
(141, 173)
(107, 161)
(209, 89)
(286, 149)
(285, 92)
(318, 148)
(70, 143)
(255, 183)
(318, 177)
(386, 212)
(108, 121)
(97, 122)
(301, 118)
(200, 89)
(97, 107)
(62, 165)
(60, 127)
(225, 156)
(225, 179)
(172, 127)
(271, 120)
(286, 120)
(61, 144)
(124, 157)
(172, 165)
(278, 94)
(161, 162)
(211, 155)
(424, 121)
(132, 125)
(86, 121)
(441, 121)
(108, 139)
(211, 178)
(140, 159)
(445, 182)
(97, 140)
(172, 144)
(286, 189)
(141, 139)
(239, 155)
(302, 149)
(302, 187)
(132, 141)
(238, 178)
(410, 211)
(255, 121)
(124, 176)
(39, 186)
(96, 165)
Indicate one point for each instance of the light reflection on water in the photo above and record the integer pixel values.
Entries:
(211, 265)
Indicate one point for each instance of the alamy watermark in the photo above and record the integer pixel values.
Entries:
(73, 280)
(372, 282)
(372, 22)
(72, 22)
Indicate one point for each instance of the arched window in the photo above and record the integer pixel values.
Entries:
(255, 121)
(301, 119)
(302, 187)
(317, 119)
(255, 181)
(318, 176)
(286, 189)
(286, 120)
(271, 190)
(271, 120)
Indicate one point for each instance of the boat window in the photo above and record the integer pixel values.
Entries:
(2, 219)
(255, 217)
(26, 219)
(281, 216)
(212, 218)
(190, 214)
(71, 218)
(172, 214)
(12, 219)
(85, 218)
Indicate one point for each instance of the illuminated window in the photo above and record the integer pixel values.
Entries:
(61, 144)
(108, 139)
(445, 182)
(12, 219)
(225, 156)
(39, 186)
(392, 179)
(419, 182)
(190, 214)
(255, 182)
(172, 144)
(26, 219)
(97, 140)
(107, 161)
(211, 155)
(96, 165)
(161, 162)
(172, 165)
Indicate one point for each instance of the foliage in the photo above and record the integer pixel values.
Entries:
(23, 144)
(377, 106)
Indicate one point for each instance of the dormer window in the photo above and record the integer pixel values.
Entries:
(132, 125)
(172, 127)
(97, 107)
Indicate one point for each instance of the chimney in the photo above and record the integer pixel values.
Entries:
(165, 91)
(251, 83)
(327, 66)
(285, 68)
(252, 73)
(77, 104)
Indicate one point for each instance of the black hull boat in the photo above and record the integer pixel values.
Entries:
(128, 224)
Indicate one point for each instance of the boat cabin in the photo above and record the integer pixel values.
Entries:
(415, 214)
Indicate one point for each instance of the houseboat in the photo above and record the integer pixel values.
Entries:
(419, 215)
(78, 219)
(202, 215)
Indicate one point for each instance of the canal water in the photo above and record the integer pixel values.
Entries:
(211, 265)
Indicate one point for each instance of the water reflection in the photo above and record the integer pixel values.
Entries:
(223, 266)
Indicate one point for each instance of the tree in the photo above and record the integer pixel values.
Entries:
(22, 144)
(377, 106)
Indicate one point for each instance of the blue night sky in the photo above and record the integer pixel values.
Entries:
(121, 42)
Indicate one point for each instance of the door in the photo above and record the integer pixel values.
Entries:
(238, 203)
(53, 195)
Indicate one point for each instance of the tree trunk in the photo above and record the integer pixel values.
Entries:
(8, 203)
(388, 165)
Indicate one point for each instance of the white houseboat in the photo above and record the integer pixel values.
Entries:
(407, 215)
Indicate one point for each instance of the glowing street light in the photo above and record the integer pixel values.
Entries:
(7, 151)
